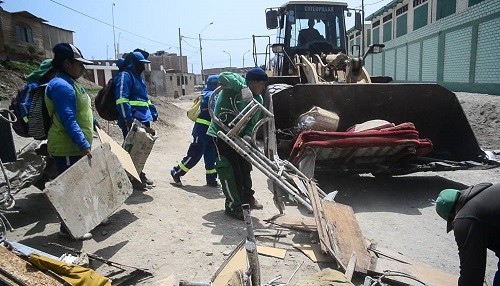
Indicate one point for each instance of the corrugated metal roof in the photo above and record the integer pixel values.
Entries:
(385, 8)
(27, 14)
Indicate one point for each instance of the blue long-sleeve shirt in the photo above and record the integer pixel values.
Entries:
(132, 100)
(61, 92)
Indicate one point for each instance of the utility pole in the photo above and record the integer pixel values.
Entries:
(362, 27)
(244, 57)
(201, 52)
(113, 18)
(181, 64)
(201, 60)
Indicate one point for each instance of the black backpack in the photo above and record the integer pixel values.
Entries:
(20, 126)
(105, 102)
(39, 119)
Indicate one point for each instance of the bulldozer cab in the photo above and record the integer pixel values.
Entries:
(306, 28)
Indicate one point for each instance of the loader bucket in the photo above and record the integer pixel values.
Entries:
(434, 110)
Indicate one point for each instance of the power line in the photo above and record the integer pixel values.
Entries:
(374, 3)
(108, 24)
(237, 39)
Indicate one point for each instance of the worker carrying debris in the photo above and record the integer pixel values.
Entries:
(474, 216)
(233, 170)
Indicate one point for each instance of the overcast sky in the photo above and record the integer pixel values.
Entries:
(154, 25)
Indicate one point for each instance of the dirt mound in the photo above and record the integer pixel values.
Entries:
(10, 82)
(483, 111)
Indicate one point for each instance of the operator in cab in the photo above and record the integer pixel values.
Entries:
(310, 34)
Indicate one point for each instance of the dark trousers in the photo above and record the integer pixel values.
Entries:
(234, 174)
(201, 146)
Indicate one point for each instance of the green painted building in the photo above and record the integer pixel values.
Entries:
(455, 43)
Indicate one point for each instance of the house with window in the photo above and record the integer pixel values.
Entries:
(450, 42)
(22, 33)
(354, 39)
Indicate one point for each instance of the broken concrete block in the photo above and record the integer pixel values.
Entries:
(89, 191)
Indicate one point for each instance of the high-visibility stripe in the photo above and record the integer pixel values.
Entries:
(122, 100)
(202, 121)
(210, 171)
(25, 118)
(138, 103)
(149, 102)
(183, 168)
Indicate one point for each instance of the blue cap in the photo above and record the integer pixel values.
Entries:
(256, 74)
(140, 58)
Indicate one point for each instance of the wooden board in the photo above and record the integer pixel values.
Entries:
(294, 222)
(123, 156)
(345, 234)
(89, 191)
(237, 260)
(271, 251)
(23, 271)
(313, 251)
(425, 273)
(324, 239)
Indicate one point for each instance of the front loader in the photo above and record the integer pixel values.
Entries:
(428, 129)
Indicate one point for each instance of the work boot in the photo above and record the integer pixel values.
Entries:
(235, 214)
(255, 205)
(145, 180)
(213, 184)
(176, 177)
(136, 185)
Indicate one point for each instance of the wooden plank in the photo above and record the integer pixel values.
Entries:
(346, 236)
(237, 260)
(324, 240)
(89, 191)
(430, 276)
(23, 271)
(313, 251)
(294, 222)
(350, 266)
(271, 251)
(123, 156)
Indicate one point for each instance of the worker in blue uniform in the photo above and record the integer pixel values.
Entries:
(202, 145)
(132, 99)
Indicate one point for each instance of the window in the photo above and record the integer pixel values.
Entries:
(170, 78)
(401, 25)
(24, 34)
(388, 17)
(474, 2)
(402, 10)
(387, 33)
(445, 8)
(376, 36)
(368, 37)
(376, 24)
(418, 2)
(178, 80)
(420, 17)
(351, 37)
(358, 34)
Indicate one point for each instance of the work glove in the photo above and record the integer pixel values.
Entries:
(246, 94)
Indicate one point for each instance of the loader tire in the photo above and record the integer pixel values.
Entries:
(270, 91)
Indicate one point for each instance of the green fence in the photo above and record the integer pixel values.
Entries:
(460, 52)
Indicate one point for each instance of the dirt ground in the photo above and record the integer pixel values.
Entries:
(183, 230)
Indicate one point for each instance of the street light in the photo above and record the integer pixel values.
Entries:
(113, 19)
(244, 58)
(201, 52)
(229, 58)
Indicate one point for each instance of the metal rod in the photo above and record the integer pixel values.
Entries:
(251, 247)
(274, 177)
